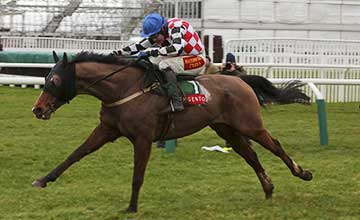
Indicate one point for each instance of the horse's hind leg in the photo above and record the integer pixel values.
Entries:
(251, 158)
(265, 139)
(242, 146)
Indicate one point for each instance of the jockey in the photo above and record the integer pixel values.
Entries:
(178, 50)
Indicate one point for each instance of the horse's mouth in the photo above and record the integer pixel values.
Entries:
(44, 114)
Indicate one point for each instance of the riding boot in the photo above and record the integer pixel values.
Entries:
(173, 91)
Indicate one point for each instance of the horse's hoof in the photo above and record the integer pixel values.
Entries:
(268, 196)
(39, 184)
(307, 175)
(130, 210)
(269, 191)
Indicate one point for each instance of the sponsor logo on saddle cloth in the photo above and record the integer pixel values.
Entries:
(193, 62)
(192, 91)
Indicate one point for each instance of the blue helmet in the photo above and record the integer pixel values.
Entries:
(152, 24)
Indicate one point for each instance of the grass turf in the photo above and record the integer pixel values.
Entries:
(189, 184)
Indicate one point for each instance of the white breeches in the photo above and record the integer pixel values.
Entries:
(191, 65)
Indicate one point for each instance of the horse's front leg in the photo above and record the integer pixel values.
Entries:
(142, 149)
(100, 135)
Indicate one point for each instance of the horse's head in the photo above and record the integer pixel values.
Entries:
(59, 88)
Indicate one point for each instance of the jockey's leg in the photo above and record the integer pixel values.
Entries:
(173, 90)
(171, 66)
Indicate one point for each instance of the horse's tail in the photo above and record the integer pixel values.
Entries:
(267, 93)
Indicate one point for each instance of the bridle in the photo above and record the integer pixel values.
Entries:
(67, 90)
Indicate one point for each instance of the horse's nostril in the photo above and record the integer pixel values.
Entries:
(37, 111)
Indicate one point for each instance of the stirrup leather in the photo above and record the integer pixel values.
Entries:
(178, 108)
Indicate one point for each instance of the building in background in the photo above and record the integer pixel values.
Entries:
(320, 19)
(330, 19)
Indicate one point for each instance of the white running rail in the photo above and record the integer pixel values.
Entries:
(332, 92)
(333, 89)
(295, 51)
(302, 58)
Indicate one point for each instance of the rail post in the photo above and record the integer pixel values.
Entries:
(321, 110)
(170, 146)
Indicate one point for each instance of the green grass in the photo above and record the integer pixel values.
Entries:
(190, 184)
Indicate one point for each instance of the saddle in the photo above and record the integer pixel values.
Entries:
(190, 88)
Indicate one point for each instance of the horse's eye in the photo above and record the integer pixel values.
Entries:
(56, 81)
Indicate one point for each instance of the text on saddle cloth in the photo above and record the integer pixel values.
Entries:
(192, 92)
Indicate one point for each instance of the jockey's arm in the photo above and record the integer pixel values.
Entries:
(176, 47)
(136, 47)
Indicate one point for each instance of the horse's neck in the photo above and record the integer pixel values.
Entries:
(111, 89)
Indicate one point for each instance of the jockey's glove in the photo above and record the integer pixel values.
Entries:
(154, 53)
(149, 53)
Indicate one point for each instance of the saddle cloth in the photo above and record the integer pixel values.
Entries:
(192, 92)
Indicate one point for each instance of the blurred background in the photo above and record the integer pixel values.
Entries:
(221, 21)
(273, 38)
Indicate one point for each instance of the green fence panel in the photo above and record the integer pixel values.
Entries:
(29, 57)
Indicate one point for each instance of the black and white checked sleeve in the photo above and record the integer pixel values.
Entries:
(136, 47)
(177, 44)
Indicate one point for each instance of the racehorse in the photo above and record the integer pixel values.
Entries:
(128, 109)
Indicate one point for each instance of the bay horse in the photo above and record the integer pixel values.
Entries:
(232, 110)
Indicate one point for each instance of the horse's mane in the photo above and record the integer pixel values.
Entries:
(86, 56)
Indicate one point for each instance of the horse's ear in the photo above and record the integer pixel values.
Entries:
(46, 74)
(56, 58)
(65, 59)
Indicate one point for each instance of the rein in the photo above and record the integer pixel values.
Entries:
(132, 96)
(112, 73)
